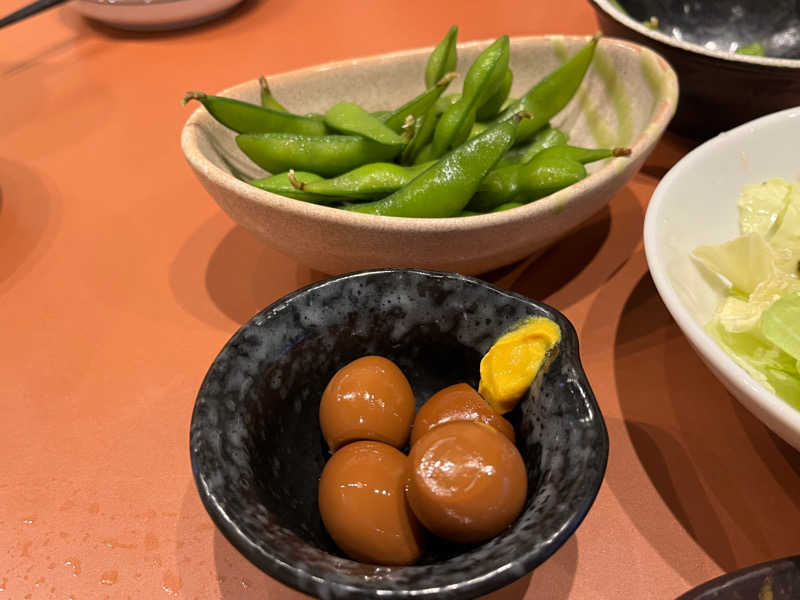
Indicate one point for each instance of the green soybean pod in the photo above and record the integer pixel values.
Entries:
(537, 180)
(267, 99)
(418, 105)
(425, 154)
(559, 165)
(583, 155)
(244, 117)
(350, 118)
(478, 127)
(552, 93)
(491, 107)
(422, 136)
(548, 176)
(446, 101)
(483, 76)
(281, 184)
(444, 189)
(367, 182)
(507, 206)
(443, 58)
(499, 186)
(544, 138)
(326, 155)
(548, 137)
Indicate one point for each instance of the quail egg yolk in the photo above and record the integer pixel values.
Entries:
(511, 364)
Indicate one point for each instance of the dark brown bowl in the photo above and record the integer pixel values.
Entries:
(719, 89)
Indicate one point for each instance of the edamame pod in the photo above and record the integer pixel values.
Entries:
(326, 155)
(491, 108)
(368, 182)
(478, 127)
(548, 137)
(548, 176)
(350, 118)
(551, 94)
(443, 58)
(499, 186)
(446, 101)
(425, 154)
(481, 80)
(550, 170)
(244, 117)
(422, 136)
(507, 206)
(419, 105)
(267, 99)
(281, 184)
(584, 155)
(444, 189)
(522, 183)
(544, 138)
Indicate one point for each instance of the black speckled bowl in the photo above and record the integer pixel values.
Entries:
(257, 451)
(719, 89)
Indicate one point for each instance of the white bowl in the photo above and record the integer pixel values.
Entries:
(153, 14)
(628, 97)
(696, 203)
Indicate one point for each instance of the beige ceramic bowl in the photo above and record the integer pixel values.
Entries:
(627, 99)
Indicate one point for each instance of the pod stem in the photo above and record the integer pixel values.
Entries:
(446, 79)
(193, 96)
(523, 114)
(262, 81)
(298, 185)
(621, 151)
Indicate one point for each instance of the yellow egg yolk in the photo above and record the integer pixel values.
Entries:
(511, 364)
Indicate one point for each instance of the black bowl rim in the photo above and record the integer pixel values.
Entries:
(306, 581)
(729, 58)
(728, 581)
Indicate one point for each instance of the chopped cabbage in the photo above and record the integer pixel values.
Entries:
(758, 323)
(780, 324)
(745, 261)
(761, 204)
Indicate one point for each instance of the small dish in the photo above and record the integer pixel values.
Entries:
(257, 451)
(627, 100)
(153, 14)
(720, 88)
(696, 203)
(772, 580)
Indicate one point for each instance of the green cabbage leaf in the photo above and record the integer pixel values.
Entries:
(758, 322)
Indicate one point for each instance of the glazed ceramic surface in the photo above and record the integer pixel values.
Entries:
(726, 25)
(720, 89)
(257, 451)
(773, 580)
(627, 99)
(153, 14)
(696, 203)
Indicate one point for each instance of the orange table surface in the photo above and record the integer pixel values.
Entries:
(120, 280)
